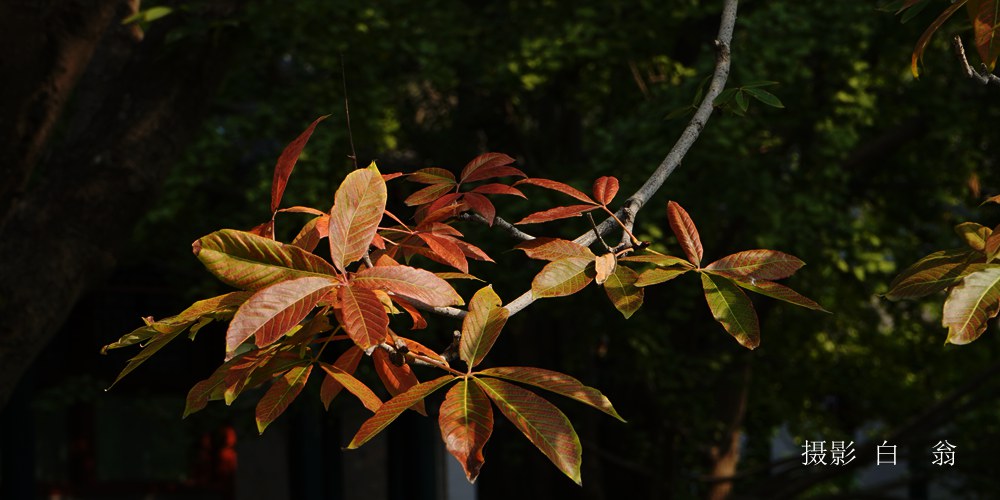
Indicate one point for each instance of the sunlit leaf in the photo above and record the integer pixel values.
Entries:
(488, 166)
(559, 383)
(759, 264)
(623, 292)
(433, 175)
(604, 265)
(364, 318)
(657, 259)
(686, 232)
(731, 307)
(354, 386)
(312, 232)
(771, 289)
(992, 245)
(446, 248)
(556, 214)
(562, 277)
(416, 284)
(357, 209)
(974, 235)
(347, 362)
(480, 205)
(466, 420)
(971, 304)
(280, 395)
(558, 186)
(250, 262)
(918, 51)
(264, 230)
(271, 312)
(419, 323)
(286, 162)
(934, 273)
(658, 275)
(481, 326)
(605, 189)
(396, 378)
(498, 189)
(540, 421)
(428, 194)
(553, 249)
(394, 407)
(217, 308)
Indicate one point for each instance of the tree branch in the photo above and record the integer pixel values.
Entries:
(500, 223)
(984, 77)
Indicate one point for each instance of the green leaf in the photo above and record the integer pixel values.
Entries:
(563, 277)
(725, 97)
(466, 421)
(658, 275)
(974, 235)
(481, 326)
(758, 84)
(934, 273)
(623, 292)
(148, 15)
(731, 307)
(251, 262)
(540, 421)
(559, 383)
(758, 264)
(417, 284)
(363, 316)
(741, 101)
(394, 407)
(273, 311)
(280, 395)
(659, 260)
(765, 97)
(971, 304)
(357, 210)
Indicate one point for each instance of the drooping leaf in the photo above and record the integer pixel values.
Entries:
(347, 362)
(277, 398)
(686, 232)
(217, 308)
(204, 391)
(343, 379)
(357, 209)
(658, 275)
(419, 323)
(553, 249)
(498, 189)
(758, 264)
(974, 235)
(472, 251)
(771, 289)
(446, 248)
(302, 210)
(985, 15)
(762, 96)
(272, 311)
(563, 277)
(364, 318)
(604, 265)
(480, 205)
(971, 304)
(394, 407)
(312, 232)
(605, 189)
(540, 421)
(731, 307)
(428, 194)
(623, 292)
(466, 421)
(559, 383)
(558, 186)
(286, 162)
(556, 214)
(481, 326)
(396, 379)
(934, 273)
(433, 175)
(416, 284)
(657, 259)
(918, 51)
(250, 262)
(488, 165)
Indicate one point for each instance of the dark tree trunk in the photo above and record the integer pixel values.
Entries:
(89, 126)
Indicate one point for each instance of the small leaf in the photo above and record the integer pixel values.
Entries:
(286, 162)
(741, 100)
(396, 379)
(623, 292)
(974, 235)
(918, 51)
(559, 383)
(343, 379)
(480, 205)
(556, 214)
(686, 232)
(563, 277)
(488, 165)
(347, 362)
(764, 97)
(250, 262)
(415, 284)
(466, 420)
(731, 307)
(481, 326)
(540, 421)
(357, 209)
(759, 264)
(971, 304)
(498, 189)
(934, 273)
(312, 232)
(394, 407)
(364, 318)
(280, 395)
(658, 275)
(553, 249)
(604, 266)
(605, 189)
(558, 186)
(433, 176)
(271, 312)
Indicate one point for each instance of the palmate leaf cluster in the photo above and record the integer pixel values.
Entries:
(297, 315)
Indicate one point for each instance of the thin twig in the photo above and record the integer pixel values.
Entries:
(499, 223)
(984, 77)
(598, 234)
(347, 111)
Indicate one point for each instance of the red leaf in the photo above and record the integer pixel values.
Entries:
(418, 348)
(286, 162)
(605, 189)
(427, 194)
(419, 323)
(481, 205)
(346, 362)
(302, 210)
(556, 214)
(394, 407)
(485, 166)
(389, 177)
(472, 251)
(481, 326)
(541, 422)
(343, 379)
(466, 420)
(687, 233)
(271, 312)
(985, 15)
(265, 230)
(758, 264)
(558, 186)
(357, 209)
(250, 262)
(433, 175)
(364, 317)
(563, 277)
(396, 379)
(311, 234)
(498, 189)
(559, 383)
(553, 249)
(280, 395)
(416, 284)
(445, 248)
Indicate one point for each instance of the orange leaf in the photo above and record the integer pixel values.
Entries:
(481, 205)
(559, 383)
(604, 265)
(346, 362)
(918, 51)
(498, 189)
(312, 232)
(281, 394)
(343, 379)
(985, 14)
(466, 420)
(758, 264)
(394, 407)
(605, 189)
(357, 209)
(563, 277)
(687, 233)
(557, 186)
(428, 194)
(445, 248)
(553, 249)
(481, 326)
(396, 379)
(433, 175)
(556, 214)
(416, 284)
(488, 165)
(271, 312)
(286, 162)
(364, 317)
